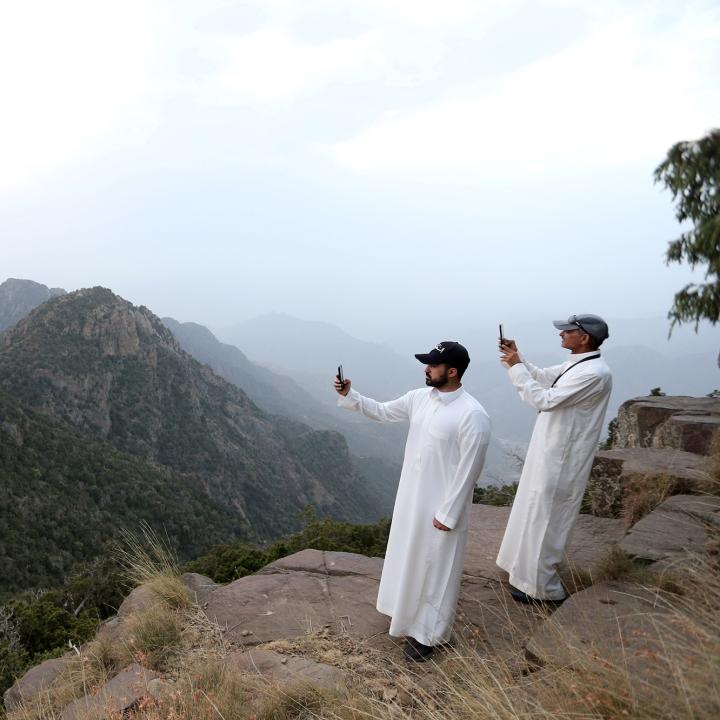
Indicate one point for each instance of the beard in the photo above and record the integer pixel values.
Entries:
(438, 382)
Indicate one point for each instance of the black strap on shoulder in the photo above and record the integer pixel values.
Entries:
(592, 357)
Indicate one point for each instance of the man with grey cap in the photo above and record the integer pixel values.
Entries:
(571, 400)
(444, 454)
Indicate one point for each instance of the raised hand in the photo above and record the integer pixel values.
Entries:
(342, 389)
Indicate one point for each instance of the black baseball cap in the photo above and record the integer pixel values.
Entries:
(593, 325)
(447, 352)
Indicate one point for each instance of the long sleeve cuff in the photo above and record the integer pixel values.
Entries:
(446, 520)
(350, 400)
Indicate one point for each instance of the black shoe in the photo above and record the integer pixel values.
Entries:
(522, 597)
(416, 651)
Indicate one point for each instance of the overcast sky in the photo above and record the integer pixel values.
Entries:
(370, 163)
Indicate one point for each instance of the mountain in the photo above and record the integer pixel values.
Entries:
(19, 297)
(278, 394)
(65, 495)
(310, 352)
(687, 366)
(114, 372)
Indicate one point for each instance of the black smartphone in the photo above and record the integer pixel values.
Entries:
(502, 337)
(340, 376)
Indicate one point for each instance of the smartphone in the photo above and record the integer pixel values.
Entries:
(340, 376)
(502, 337)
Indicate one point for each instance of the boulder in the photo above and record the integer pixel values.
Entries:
(198, 586)
(285, 669)
(682, 423)
(331, 563)
(306, 591)
(117, 696)
(34, 682)
(679, 525)
(614, 471)
(619, 622)
(141, 598)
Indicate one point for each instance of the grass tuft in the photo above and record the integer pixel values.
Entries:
(148, 559)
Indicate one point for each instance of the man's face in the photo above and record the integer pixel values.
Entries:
(572, 339)
(436, 375)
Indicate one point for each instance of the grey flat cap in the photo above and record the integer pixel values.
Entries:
(591, 324)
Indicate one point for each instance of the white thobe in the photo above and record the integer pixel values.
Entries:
(556, 469)
(444, 454)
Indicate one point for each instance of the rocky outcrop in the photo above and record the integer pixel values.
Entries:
(681, 423)
(313, 589)
(615, 621)
(263, 620)
(34, 682)
(680, 525)
(284, 669)
(615, 471)
(113, 699)
(306, 591)
(199, 586)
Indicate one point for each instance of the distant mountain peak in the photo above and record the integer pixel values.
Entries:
(18, 297)
(94, 316)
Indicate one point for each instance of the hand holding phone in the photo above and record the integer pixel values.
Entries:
(340, 382)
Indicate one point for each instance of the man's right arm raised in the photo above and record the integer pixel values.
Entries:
(543, 376)
(392, 411)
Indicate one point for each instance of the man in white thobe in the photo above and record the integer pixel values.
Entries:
(444, 454)
(571, 399)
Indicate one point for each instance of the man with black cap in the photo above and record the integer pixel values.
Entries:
(444, 454)
(571, 400)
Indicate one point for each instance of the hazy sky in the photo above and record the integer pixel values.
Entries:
(364, 162)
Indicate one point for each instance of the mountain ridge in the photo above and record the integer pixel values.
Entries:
(114, 372)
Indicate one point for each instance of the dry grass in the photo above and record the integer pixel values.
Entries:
(711, 484)
(149, 560)
(645, 493)
(672, 672)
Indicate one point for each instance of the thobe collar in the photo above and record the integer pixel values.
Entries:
(580, 356)
(447, 397)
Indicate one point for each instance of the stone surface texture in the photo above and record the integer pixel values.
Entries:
(119, 695)
(301, 593)
(34, 682)
(615, 470)
(590, 541)
(619, 622)
(139, 599)
(313, 589)
(679, 525)
(681, 423)
(199, 586)
(285, 669)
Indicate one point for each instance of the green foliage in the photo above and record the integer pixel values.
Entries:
(65, 496)
(657, 392)
(44, 625)
(228, 562)
(609, 441)
(112, 371)
(691, 171)
(37, 628)
(501, 496)
(13, 657)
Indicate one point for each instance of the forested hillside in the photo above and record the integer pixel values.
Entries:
(64, 496)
